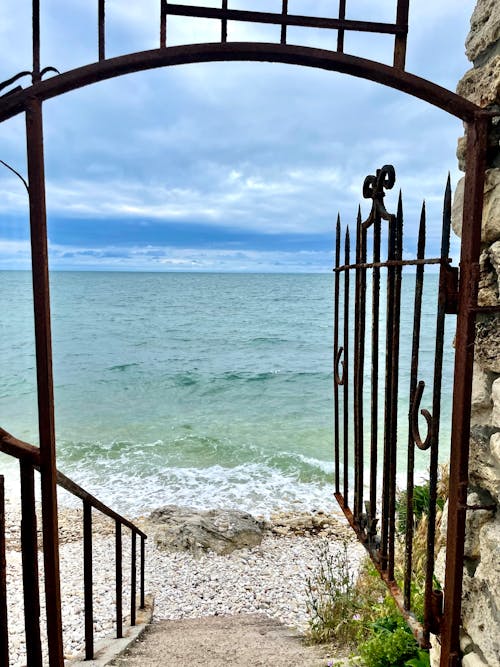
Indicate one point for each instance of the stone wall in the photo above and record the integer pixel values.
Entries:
(481, 597)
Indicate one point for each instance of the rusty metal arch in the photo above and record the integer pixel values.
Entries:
(16, 101)
(29, 100)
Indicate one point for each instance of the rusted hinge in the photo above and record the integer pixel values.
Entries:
(448, 288)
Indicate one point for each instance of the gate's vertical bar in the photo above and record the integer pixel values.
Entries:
(4, 629)
(386, 485)
(335, 356)
(372, 526)
(477, 133)
(417, 315)
(29, 553)
(340, 32)
(118, 579)
(359, 354)
(396, 306)
(133, 579)
(45, 390)
(345, 372)
(88, 581)
(284, 12)
(436, 413)
(223, 36)
(101, 30)
(143, 560)
(163, 24)
(400, 39)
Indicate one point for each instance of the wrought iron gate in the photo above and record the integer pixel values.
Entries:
(369, 501)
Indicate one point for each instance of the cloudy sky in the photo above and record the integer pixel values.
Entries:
(223, 166)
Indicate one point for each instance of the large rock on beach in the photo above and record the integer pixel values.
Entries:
(188, 529)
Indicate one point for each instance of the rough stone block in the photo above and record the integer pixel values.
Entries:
(495, 397)
(490, 231)
(484, 28)
(488, 280)
(481, 85)
(484, 471)
(487, 346)
(481, 395)
(473, 660)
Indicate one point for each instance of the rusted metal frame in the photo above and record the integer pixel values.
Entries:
(29, 553)
(395, 262)
(35, 74)
(341, 31)
(16, 101)
(394, 589)
(118, 579)
(431, 621)
(477, 133)
(143, 563)
(345, 364)
(359, 356)
(279, 19)
(284, 12)
(163, 24)
(101, 21)
(400, 40)
(372, 508)
(45, 390)
(19, 449)
(417, 318)
(23, 450)
(133, 579)
(4, 628)
(77, 491)
(336, 358)
(88, 581)
(396, 307)
(223, 35)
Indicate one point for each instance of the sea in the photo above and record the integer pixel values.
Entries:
(201, 389)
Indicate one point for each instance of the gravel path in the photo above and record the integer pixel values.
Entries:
(268, 579)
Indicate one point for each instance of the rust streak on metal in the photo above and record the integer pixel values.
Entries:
(430, 92)
(464, 353)
(29, 552)
(88, 581)
(118, 579)
(45, 390)
(133, 579)
(4, 635)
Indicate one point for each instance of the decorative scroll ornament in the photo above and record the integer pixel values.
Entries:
(16, 77)
(339, 379)
(373, 188)
(415, 431)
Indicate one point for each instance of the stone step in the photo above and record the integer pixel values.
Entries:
(240, 641)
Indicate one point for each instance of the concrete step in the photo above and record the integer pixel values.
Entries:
(240, 641)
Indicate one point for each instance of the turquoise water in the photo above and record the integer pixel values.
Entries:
(207, 389)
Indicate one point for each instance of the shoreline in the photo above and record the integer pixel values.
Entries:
(268, 579)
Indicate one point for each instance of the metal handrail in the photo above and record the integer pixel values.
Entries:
(29, 459)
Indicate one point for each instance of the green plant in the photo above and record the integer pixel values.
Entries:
(388, 648)
(422, 659)
(333, 600)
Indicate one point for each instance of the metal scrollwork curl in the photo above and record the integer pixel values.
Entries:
(339, 379)
(373, 188)
(415, 431)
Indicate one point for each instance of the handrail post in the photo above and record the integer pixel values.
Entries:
(142, 571)
(118, 579)
(88, 581)
(133, 580)
(45, 388)
(29, 552)
(4, 630)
